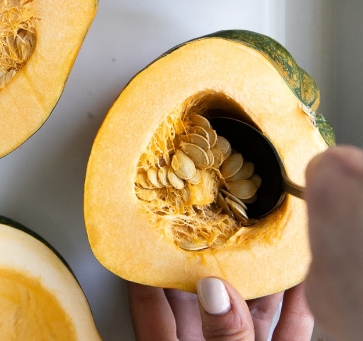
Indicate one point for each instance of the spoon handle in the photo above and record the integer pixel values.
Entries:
(291, 187)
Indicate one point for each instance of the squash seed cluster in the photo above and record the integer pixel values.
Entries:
(201, 179)
(17, 37)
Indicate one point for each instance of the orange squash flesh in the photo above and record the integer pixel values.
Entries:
(29, 310)
(137, 245)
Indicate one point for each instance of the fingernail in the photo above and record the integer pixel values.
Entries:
(213, 296)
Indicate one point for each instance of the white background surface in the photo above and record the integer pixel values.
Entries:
(41, 183)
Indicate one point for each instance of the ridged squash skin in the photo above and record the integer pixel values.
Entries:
(30, 96)
(259, 77)
(54, 306)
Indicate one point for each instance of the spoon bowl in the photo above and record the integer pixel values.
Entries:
(257, 148)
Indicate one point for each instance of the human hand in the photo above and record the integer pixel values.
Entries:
(222, 314)
(334, 286)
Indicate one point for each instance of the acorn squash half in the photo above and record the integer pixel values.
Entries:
(148, 218)
(39, 296)
(39, 41)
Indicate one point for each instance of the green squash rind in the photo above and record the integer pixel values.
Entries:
(325, 129)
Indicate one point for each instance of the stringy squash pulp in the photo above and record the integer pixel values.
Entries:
(39, 41)
(40, 298)
(148, 227)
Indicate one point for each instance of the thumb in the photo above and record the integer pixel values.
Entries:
(225, 314)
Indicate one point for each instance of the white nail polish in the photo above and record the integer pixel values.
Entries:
(213, 296)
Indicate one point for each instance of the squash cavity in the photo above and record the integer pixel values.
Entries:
(189, 179)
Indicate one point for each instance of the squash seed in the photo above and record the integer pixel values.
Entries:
(200, 131)
(196, 139)
(244, 173)
(199, 120)
(183, 165)
(222, 204)
(242, 189)
(212, 137)
(217, 157)
(196, 179)
(143, 181)
(236, 208)
(146, 194)
(256, 179)
(232, 165)
(211, 158)
(152, 176)
(190, 246)
(174, 180)
(224, 146)
(196, 153)
(233, 197)
(163, 176)
(250, 200)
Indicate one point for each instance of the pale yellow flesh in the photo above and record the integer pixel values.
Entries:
(46, 291)
(28, 311)
(29, 98)
(262, 260)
